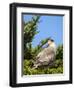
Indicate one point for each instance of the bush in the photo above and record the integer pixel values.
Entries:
(59, 52)
(57, 68)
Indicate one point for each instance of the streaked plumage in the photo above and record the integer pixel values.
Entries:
(46, 56)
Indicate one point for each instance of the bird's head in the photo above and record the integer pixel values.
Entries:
(50, 41)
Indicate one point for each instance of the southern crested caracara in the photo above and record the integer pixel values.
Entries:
(47, 55)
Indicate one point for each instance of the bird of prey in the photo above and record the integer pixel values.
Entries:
(47, 55)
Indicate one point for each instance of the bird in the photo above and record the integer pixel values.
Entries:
(47, 55)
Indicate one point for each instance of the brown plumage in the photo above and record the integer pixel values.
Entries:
(46, 56)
